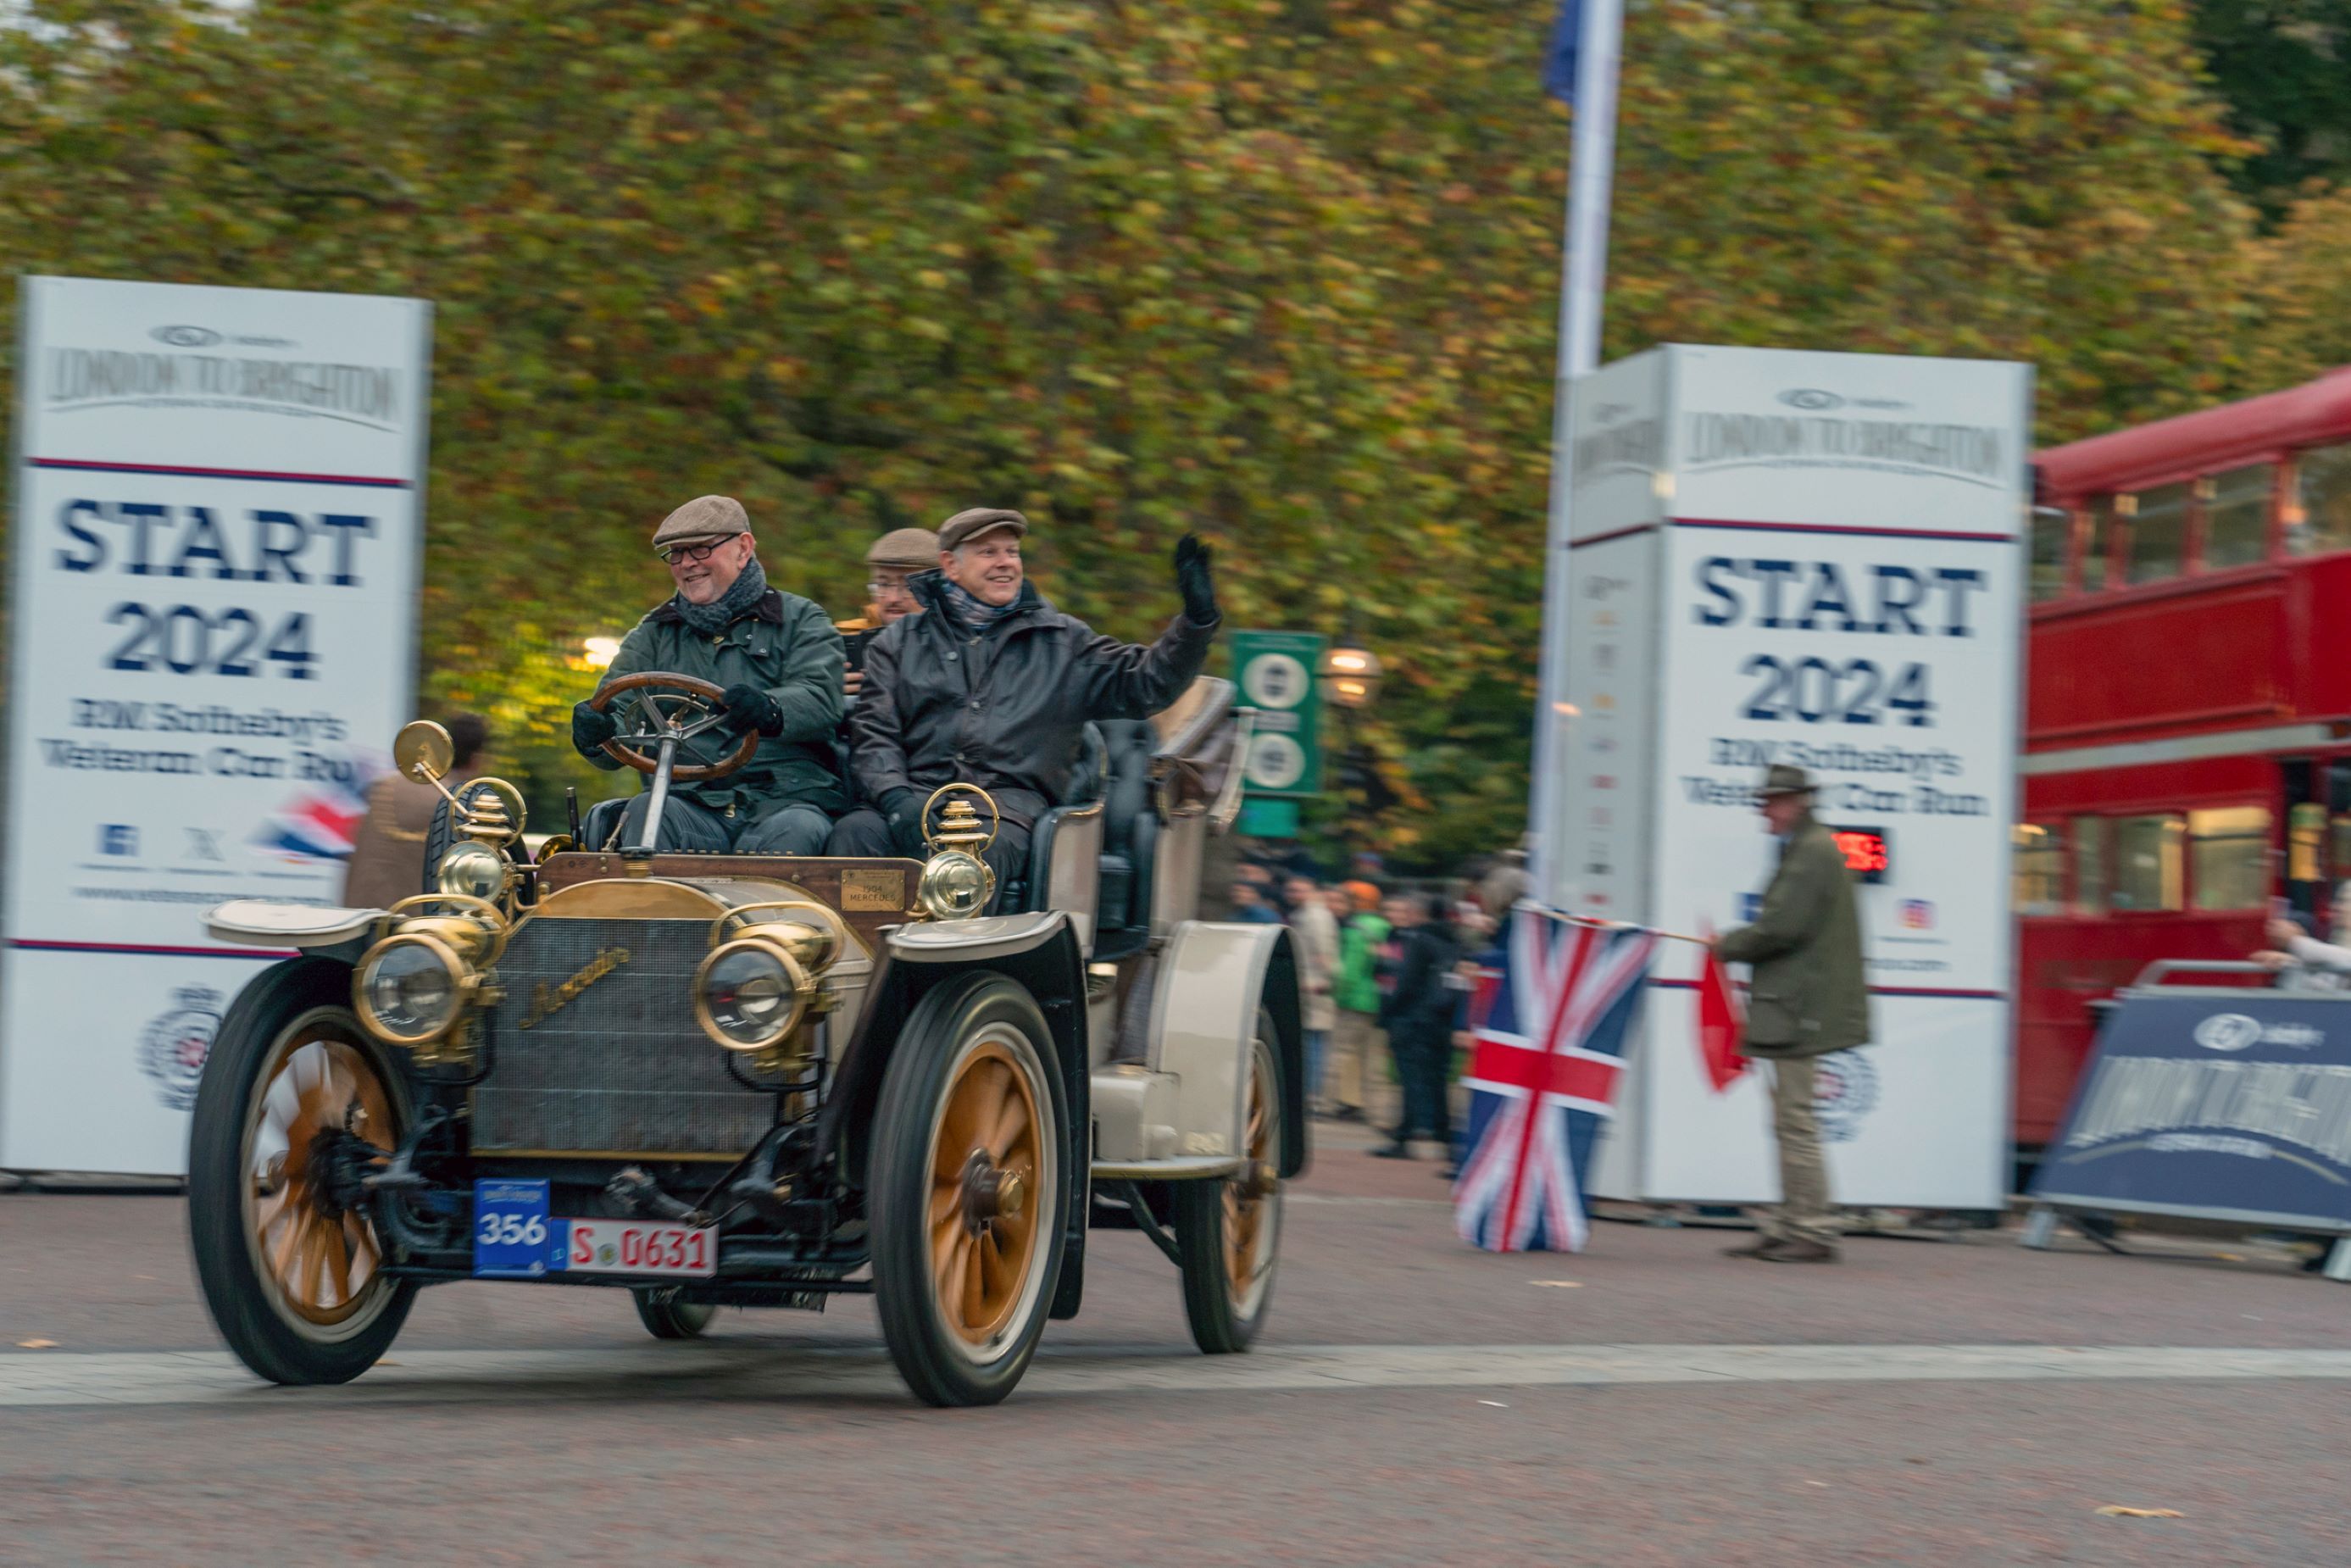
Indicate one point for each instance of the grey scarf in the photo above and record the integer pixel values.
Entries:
(711, 619)
(969, 611)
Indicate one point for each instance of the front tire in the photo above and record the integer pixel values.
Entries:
(294, 1285)
(1227, 1233)
(666, 1317)
(966, 1184)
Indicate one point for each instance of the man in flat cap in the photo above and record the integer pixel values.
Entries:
(993, 686)
(1809, 997)
(889, 562)
(778, 660)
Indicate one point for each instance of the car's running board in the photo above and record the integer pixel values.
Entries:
(1187, 1167)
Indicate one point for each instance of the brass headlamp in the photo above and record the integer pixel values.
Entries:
(415, 986)
(755, 992)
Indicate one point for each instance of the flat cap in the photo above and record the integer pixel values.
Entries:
(915, 549)
(966, 526)
(704, 518)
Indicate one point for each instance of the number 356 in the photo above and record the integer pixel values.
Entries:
(510, 1230)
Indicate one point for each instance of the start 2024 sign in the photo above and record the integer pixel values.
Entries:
(1806, 559)
(218, 539)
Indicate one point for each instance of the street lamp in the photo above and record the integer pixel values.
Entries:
(1349, 673)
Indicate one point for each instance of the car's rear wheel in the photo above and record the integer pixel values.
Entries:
(1227, 1233)
(666, 1317)
(965, 1183)
(294, 1280)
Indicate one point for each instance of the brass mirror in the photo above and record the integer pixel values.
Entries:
(423, 750)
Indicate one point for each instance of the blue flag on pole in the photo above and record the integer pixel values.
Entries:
(1566, 42)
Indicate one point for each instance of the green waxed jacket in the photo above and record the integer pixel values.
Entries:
(1811, 992)
(1358, 991)
(786, 646)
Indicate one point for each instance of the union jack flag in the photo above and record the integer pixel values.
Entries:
(1550, 1020)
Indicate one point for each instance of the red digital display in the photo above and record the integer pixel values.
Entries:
(1866, 854)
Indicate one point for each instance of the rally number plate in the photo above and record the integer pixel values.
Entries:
(515, 1237)
(629, 1247)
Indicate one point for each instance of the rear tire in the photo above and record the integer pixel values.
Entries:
(297, 1289)
(966, 1187)
(666, 1317)
(1229, 1233)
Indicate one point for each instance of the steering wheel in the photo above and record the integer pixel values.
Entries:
(687, 706)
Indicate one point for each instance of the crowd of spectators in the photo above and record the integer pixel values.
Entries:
(1386, 971)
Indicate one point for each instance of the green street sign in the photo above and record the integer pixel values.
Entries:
(1275, 673)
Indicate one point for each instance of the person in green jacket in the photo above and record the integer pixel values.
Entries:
(1809, 997)
(779, 661)
(1357, 991)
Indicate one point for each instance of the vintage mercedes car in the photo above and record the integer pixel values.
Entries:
(721, 1080)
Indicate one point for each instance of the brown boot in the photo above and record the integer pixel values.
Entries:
(1798, 1252)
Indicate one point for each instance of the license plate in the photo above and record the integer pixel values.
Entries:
(515, 1237)
(630, 1246)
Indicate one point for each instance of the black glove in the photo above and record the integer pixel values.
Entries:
(1191, 560)
(747, 707)
(903, 809)
(591, 730)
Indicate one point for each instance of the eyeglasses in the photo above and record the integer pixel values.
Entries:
(676, 553)
(892, 585)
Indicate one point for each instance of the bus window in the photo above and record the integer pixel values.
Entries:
(2229, 849)
(2051, 528)
(2236, 517)
(2089, 865)
(2159, 534)
(2039, 868)
(2323, 501)
(2097, 542)
(2305, 842)
(2148, 862)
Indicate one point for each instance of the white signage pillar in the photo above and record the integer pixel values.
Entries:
(1813, 559)
(218, 532)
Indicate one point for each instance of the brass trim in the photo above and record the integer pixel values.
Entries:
(615, 898)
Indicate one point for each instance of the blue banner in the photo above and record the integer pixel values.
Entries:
(2232, 1105)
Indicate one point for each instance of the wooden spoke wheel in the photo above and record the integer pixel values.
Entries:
(967, 1181)
(294, 1280)
(1228, 1232)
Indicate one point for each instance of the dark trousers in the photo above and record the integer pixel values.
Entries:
(687, 824)
(865, 833)
(1423, 1057)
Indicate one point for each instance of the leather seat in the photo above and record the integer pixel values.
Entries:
(1130, 838)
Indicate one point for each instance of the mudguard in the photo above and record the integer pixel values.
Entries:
(1214, 977)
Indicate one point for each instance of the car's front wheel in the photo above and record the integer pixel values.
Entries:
(966, 1186)
(294, 1279)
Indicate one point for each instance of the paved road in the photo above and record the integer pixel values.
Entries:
(1958, 1402)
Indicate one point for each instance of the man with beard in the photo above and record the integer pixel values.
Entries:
(992, 685)
(780, 662)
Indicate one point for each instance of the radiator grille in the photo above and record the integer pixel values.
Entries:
(621, 1065)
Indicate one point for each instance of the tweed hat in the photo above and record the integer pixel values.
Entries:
(1780, 779)
(704, 518)
(966, 526)
(913, 550)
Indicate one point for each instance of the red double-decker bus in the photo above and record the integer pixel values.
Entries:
(2187, 731)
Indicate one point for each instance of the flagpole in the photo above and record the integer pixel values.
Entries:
(1572, 919)
(1591, 165)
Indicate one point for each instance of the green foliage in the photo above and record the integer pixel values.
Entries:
(2283, 68)
(1283, 271)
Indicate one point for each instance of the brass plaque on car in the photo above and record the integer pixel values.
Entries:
(871, 892)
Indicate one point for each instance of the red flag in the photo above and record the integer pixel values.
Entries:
(1718, 1024)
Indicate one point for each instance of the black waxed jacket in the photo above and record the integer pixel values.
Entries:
(1004, 708)
(1422, 1004)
